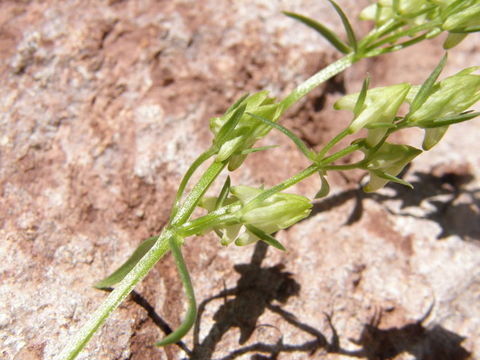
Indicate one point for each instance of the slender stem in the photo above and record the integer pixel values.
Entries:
(197, 192)
(320, 77)
(312, 169)
(114, 299)
(357, 165)
(332, 143)
(195, 165)
(344, 152)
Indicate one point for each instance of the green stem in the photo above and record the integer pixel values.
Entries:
(114, 299)
(184, 212)
(309, 171)
(195, 165)
(344, 152)
(320, 77)
(332, 143)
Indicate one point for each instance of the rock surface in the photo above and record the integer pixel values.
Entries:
(104, 104)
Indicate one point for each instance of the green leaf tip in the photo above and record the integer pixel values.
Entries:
(128, 265)
(352, 39)
(328, 34)
(262, 235)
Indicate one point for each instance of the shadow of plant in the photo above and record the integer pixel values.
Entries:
(256, 291)
(441, 198)
(435, 343)
(260, 288)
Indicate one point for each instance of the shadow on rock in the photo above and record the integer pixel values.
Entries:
(262, 289)
(439, 196)
(435, 343)
(256, 291)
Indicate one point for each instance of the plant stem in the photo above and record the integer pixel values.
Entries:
(315, 80)
(114, 299)
(332, 143)
(195, 165)
(312, 169)
(184, 212)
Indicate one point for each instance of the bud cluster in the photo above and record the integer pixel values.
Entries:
(433, 107)
(458, 17)
(277, 212)
(237, 130)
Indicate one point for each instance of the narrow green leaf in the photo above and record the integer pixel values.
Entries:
(324, 188)
(392, 178)
(269, 239)
(352, 39)
(427, 86)
(257, 149)
(223, 193)
(467, 30)
(237, 103)
(300, 144)
(191, 314)
(361, 97)
(123, 270)
(230, 124)
(448, 120)
(328, 34)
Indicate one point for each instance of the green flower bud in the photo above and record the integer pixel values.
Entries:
(462, 20)
(378, 13)
(232, 140)
(385, 10)
(387, 162)
(450, 96)
(380, 107)
(277, 212)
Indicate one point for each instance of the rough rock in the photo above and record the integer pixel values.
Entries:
(104, 104)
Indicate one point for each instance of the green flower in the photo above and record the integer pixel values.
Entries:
(277, 212)
(236, 130)
(385, 10)
(450, 96)
(463, 18)
(386, 163)
(378, 112)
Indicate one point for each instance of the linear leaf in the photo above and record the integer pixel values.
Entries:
(191, 314)
(300, 144)
(328, 34)
(257, 149)
(427, 86)
(128, 265)
(392, 178)
(447, 120)
(352, 39)
(269, 239)
(324, 188)
(237, 103)
(361, 97)
(230, 124)
(223, 193)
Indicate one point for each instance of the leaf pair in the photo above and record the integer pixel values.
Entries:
(329, 34)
